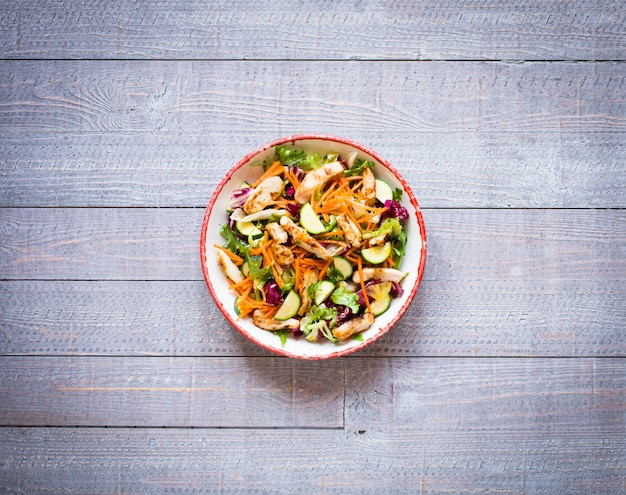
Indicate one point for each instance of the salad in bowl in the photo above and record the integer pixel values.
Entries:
(313, 246)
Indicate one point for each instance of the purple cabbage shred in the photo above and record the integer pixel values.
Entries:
(396, 210)
(396, 290)
(239, 197)
(294, 210)
(290, 191)
(273, 295)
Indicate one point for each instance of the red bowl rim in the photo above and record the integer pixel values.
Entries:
(292, 139)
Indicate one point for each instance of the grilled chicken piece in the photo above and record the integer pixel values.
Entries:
(309, 277)
(355, 325)
(303, 239)
(271, 324)
(264, 194)
(315, 179)
(379, 240)
(228, 267)
(351, 231)
(277, 232)
(283, 254)
(369, 187)
(382, 274)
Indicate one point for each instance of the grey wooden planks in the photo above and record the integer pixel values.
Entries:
(339, 30)
(105, 319)
(163, 244)
(392, 460)
(447, 318)
(527, 396)
(198, 98)
(427, 394)
(174, 392)
(162, 134)
(457, 170)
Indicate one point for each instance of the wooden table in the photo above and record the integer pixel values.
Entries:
(119, 375)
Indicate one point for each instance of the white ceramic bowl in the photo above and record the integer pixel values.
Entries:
(215, 216)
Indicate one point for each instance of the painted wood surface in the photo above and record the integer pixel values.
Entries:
(460, 29)
(135, 460)
(119, 375)
(174, 392)
(448, 318)
(162, 134)
(163, 244)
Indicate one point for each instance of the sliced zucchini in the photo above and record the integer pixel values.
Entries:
(310, 221)
(377, 254)
(245, 269)
(379, 306)
(332, 223)
(343, 266)
(248, 228)
(322, 291)
(289, 308)
(384, 191)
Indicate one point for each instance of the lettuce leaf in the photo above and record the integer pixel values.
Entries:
(399, 247)
(346, 297)
(289, 156)
(319, 319)
(359, 166)
(391, 227)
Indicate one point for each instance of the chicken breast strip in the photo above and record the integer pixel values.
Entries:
(355, 325)
(317, 178)
(303, 239)
(264, 194)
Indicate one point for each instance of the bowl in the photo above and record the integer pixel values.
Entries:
(216, 215)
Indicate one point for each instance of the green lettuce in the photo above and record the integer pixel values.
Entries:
(390, 227)
(359, 167)
(319, 319)
(346, 297)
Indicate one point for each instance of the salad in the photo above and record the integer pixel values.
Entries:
(313, 247)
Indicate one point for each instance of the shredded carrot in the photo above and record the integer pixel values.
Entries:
(275, 169)
(238, 260)
(350, 251)
(292, 177)
(331, 189)
(277, 272)
(297, 275)
(312, 263)
(330, 234)
(324, 268)
(359, 265)
(375, 209)
(246, 284)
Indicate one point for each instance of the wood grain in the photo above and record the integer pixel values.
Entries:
(171, 392)
(521, 395)
(447, 318)
(346, 30)
(457, 170)
(163, 244)
(204, 98)
(392, 461)
(162, 134)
